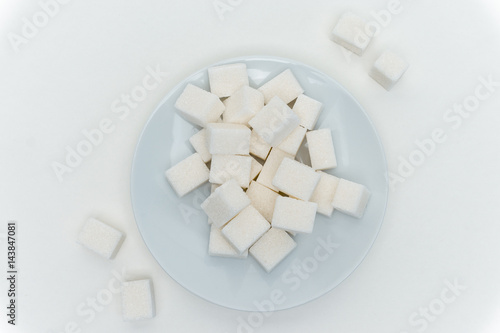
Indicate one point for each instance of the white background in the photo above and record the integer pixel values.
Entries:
(442, 222)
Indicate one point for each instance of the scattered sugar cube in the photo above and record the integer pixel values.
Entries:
(274, 122)
(272, 248)
(388, 69)
(199, 141)
(243, 105)
(351, 198)
(218, 246)
(188, 174)
(296, 179)
(284, 85)
(245, 229)
(137, 300)
(227, 79)
(308, 110)
(263, 199)
(292, 142)
(225, 203)
(324, 193)
(294, 215)
(270, 167)
(321, 149)
(225, 167)
(226, 138)
(100, 238)
(256, 169)
(259, 147)
(199, 106)
(350, 33)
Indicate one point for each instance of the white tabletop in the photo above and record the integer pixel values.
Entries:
(434, 266)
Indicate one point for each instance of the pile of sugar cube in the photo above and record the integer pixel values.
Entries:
(246, 148)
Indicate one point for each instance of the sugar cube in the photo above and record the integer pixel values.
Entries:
(388, 69)
(308, 110)
(227, 79)
(225, 167)
(351, 198)
(225, 203)
(226, 138)
(213, 187)
(243, 105)
(321, 149)
(263, 199)
(199, 141)
(188, 174)
(272, 248)
(270, 167)
(137, 300)
(259, 147)
(274, 122)
(292, 143)
(294, 215)
(324, 193)
(245, 229)
(199, 106)
(350, 33)
(284, 85)
(218, 246)
(100, 238)
(256, 168)
(296, 179)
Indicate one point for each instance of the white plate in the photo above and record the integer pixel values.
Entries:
(176, 230)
